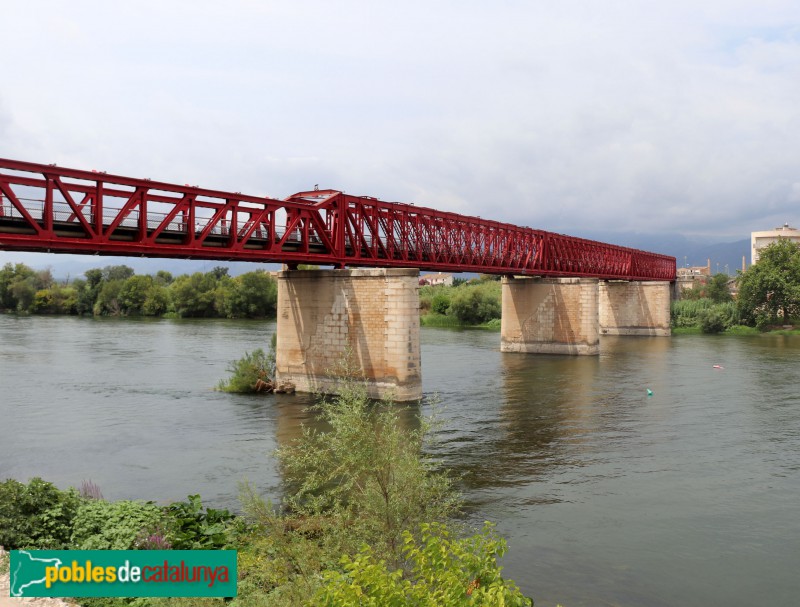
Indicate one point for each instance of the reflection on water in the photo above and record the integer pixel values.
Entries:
(608, 496)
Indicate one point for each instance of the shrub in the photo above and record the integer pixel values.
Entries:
(192, 528)
(368, 470)
(443, 572)
(476, 304)
(101, 525)
(37, 515)
(249, 371)
(713, 321)
(440, 303)
(686, 312)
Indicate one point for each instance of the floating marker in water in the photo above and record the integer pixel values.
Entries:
(649, 392)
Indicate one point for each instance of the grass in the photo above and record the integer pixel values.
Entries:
(742, 330)
(450, 322)
(735, 330)
(784, 332)
(686, 330)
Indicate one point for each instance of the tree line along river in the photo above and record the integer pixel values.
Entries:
(607, 496)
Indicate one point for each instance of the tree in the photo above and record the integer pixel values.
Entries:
(475, 304)
(10, 279)
(717, 289)
(771, 288)
(157, 301)
(164, 278)
(88, 290)
(117, 272)
(134, 293)
(55, 300)
(108, 299)
(251, 295)
(197, 295)
(219, 272)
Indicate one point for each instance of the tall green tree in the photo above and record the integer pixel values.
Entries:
(770, 289)
(108, 299)
(200, 295)
(117, 272)
(251, 295)
(717, 288)
(88, 290)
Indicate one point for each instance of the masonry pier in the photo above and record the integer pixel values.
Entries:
(371, 315)
(550, 316)
(634, 308)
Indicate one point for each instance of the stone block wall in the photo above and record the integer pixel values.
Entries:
(550, 316)
(371, 315)
(635, 308)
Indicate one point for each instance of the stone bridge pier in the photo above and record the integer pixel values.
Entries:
(372, 317)
(369, 315)
(568, 315)
(550, 316)
(634, 308)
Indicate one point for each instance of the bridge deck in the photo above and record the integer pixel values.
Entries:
(54, 209)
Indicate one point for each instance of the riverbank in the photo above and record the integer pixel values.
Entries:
(442, 321)
(736, 330)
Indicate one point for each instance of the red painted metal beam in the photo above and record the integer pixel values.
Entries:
(55, 209)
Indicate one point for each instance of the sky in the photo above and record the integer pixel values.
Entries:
(574, 116)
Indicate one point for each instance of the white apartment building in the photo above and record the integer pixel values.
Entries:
(759, 240)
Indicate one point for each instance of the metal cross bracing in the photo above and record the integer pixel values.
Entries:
(55, 209)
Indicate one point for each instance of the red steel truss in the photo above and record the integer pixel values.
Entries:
(53, 209)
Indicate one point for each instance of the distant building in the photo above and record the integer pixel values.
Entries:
(686, 277)
(694, 271)
(759, 240)
(436, 279)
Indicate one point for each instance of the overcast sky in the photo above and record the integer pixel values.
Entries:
(570, 116)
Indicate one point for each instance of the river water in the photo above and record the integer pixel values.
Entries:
(608, 496)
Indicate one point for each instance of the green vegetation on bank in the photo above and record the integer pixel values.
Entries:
(367, 518)
(117, 291)
(768, 297)
(40, 516)
(465, 304)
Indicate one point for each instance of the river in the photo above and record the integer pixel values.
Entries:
(607, 495)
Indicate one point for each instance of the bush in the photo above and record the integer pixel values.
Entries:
(443, 572)
(101, 525)
(191, 528)
(250, 370)
(37, 515)
(476, 304)
(440, 303)
(368, 472)
(713, 321)
(686, 312)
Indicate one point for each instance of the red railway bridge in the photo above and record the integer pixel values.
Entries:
(50, 208)
(560, 293)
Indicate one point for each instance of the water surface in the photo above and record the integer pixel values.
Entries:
(607, 496)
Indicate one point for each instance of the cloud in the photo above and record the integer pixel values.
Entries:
(565, 116)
